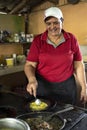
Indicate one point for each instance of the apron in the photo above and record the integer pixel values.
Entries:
(65, 91)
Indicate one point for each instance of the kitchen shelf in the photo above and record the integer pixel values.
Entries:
(10, 48)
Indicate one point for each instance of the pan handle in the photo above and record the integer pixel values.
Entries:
(64, 124)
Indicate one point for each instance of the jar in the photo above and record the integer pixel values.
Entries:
(27, 37)
(16, 37)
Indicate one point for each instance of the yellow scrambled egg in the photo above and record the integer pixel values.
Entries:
(36, 107)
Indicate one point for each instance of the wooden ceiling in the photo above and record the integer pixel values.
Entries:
(23, 6)
(20, 6)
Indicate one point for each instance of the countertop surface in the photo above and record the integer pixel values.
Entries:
(18, 68)
(11, 69)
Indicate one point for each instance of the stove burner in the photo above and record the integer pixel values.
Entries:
(7, 111)
(73, 117)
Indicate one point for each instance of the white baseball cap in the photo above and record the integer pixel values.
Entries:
(53, 11)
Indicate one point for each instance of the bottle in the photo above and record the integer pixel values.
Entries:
(14, 58)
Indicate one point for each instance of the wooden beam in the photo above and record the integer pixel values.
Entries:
(19, 7)
(54, 1)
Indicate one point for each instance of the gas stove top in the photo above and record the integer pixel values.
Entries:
(76, 118)
(73, 118)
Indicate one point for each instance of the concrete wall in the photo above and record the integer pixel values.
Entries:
(75, 19)
(12, 23)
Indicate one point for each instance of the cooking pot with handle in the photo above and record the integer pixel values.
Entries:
(36, 121)
(13, 124)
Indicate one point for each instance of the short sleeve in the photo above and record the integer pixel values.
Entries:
(33, 54)
(76, 48)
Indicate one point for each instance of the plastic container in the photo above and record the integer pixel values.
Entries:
(10, 61)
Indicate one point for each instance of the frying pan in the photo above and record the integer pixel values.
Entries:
(42, 115)
(51, 104)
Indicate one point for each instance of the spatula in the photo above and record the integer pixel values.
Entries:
(37, 101)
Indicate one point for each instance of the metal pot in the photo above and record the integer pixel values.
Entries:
(13, 124)
(41, 116)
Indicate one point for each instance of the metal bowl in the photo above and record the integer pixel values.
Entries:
(13, 124)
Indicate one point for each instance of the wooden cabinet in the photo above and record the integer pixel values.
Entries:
(10, 81)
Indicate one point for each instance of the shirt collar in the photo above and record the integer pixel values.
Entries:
(65, 34)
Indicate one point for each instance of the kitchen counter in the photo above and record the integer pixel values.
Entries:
(19, 68)
(11, 69)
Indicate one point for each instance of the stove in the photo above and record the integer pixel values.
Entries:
(13, 105)
(74, 117)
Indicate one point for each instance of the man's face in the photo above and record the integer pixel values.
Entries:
(54, 26)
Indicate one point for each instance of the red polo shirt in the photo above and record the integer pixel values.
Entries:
(55, 64)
